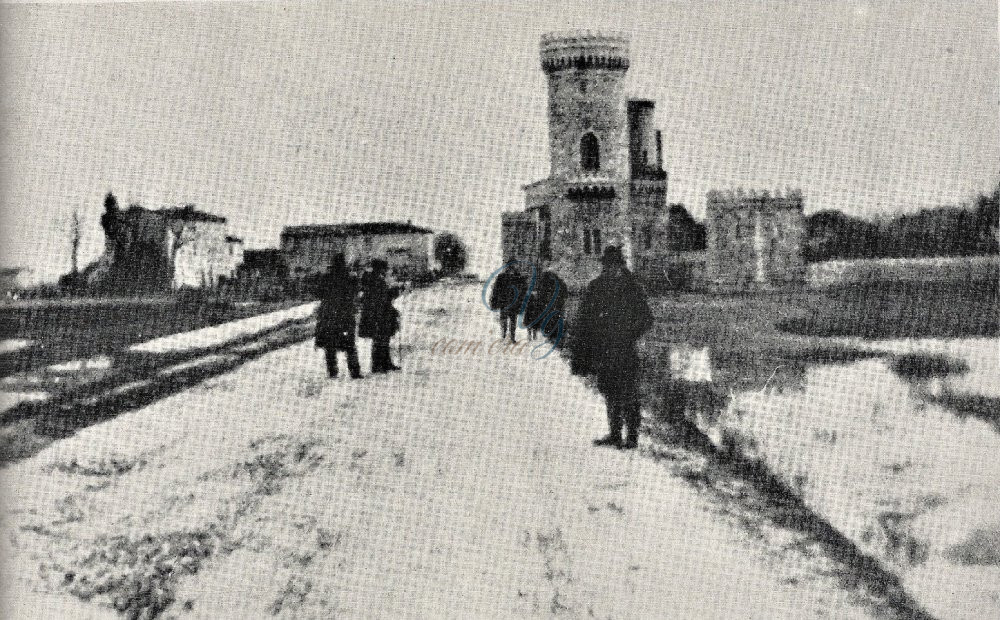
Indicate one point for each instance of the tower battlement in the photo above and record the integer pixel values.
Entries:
(584, 49)
(754, 199)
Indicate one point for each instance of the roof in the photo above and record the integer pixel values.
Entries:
(189, 213)
(353, 230)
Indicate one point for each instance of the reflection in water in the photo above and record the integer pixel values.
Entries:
(878, 456)
(696, 384)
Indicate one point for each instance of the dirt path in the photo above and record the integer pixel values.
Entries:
(464, 486)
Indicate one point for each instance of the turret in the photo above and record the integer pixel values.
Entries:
(588, 125)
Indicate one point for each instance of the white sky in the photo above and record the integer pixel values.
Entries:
(276, 114)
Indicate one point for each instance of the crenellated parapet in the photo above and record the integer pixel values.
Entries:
(584, 49)
(756, 200)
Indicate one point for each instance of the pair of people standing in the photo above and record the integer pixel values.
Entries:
(337, 326)
(545, 301)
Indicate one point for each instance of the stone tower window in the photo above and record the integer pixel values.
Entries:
(590, 152)
(597, 241)
(586, 241)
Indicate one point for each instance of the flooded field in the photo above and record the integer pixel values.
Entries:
(897, 446)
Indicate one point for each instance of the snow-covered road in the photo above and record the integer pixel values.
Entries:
(465, 486)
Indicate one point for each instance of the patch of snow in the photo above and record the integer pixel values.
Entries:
(216, 335)
(904, 479)
(11, 345)
(206, 361)
(9, 400)
(102, 362)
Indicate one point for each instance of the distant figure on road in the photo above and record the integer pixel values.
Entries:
(548, 289)
(379, 319)
(335, 322)
(613, 315)
(507, 296)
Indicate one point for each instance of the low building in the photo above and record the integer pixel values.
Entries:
(309, 249)
(149, 250)
(10, 280)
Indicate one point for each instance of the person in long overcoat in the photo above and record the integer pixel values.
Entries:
(335, 321)
(507, 297)
(379, 319)
(613, 315)
(545, 304)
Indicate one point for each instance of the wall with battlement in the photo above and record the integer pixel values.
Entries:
(754, 239)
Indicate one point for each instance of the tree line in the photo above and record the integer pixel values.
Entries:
(941, 231)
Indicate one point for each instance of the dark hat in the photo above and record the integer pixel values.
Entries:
(379, 265)
(612, 256)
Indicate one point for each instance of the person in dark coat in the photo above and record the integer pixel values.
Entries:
(335, 320)
(613, 315)
(379, 319)
(545, 303)
(507, 297)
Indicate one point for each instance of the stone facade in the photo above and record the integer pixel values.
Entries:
(754, 239)
(309, 249)
(607, 185)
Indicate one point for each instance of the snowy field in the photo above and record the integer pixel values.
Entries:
(906, 478)
(41, 383)
(464, 486)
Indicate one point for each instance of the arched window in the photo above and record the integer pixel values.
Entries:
(590, 152)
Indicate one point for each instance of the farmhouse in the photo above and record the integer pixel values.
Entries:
(408, 249)
(148, 250)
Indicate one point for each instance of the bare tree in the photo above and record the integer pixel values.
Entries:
(75, 240)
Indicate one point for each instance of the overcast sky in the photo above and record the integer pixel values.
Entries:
(276, 114)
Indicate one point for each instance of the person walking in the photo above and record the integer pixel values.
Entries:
(613, 315)
(379, 319)
(507, 296)
(335, 321)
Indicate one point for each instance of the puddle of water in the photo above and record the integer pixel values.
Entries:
(875, 454)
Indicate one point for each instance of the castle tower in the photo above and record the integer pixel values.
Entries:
(588, 126)
(606, 186)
